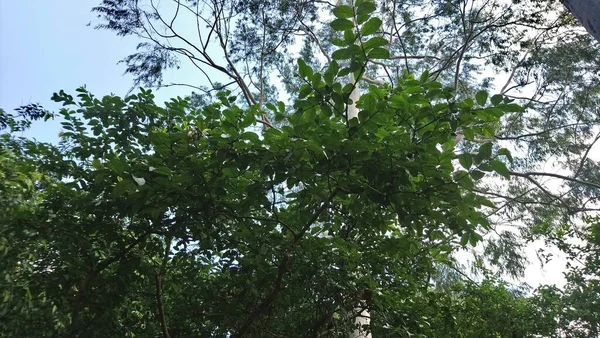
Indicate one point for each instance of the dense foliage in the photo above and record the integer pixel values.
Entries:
(182, 220)
(534, 52)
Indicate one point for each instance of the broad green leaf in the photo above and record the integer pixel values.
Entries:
(366, 8)
(485, 151)
(271, 107)
(506, 152)
(123, 187)
(486, 202)
(360, 19)
(96, 163)
(116, 165)
(374, 42)
(379, 53)
(304, 91)
(334, 67)
(328, 77)
(475, 238)
(371, 26)
(343, 12)
(485, 167)
(303, 69)
(462, 177)
(161, 170)
(476, 174)
(497, 99)
(469, 134)
(481, 97)
(341, 24)
(511, 107)
(344, 71)
(350, 37)
(341, 54)
(424, 77)
(339, 42)
(464, 239)
(466, 160)
(494, 111)
(500, 168)
(368, 102)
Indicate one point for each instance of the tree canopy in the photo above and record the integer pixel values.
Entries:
(186, 220)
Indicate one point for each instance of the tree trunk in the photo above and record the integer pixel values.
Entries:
(588, 14)
(364, 317)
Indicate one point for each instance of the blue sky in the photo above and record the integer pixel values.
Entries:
(45, 46)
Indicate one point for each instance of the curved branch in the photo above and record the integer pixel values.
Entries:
(529, 175)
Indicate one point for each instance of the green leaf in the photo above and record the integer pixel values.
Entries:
(494, 111)
(497, 99)
(464, 239)
(462, 177)
(469, 134)
(271, 107)
(341, 24)
(341, 54)
(371, 26)
(360, 19)
(350, 37)
(485, 151)
(344, 71)
(500, 168)
(334, 67)
(368, 102)
(486, 202)
(343, 12)
(512, 108)
(477, 175)
(96, 163)
(424, 77)
(366, 8)
(379, 53)
(485, 167)
(303, 69)
(374, 42)
(161, 170)
(123, 187)
(116, 165)
(304, 91)
(339, 42)
(481, 97)
(474, 238)
(466, 160)
(505, 152)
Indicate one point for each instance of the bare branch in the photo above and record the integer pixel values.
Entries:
(585, 156)
(529, 175)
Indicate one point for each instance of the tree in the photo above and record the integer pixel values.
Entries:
(529, 46)
(179, 220)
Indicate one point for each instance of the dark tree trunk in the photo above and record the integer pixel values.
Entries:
(588, 14)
